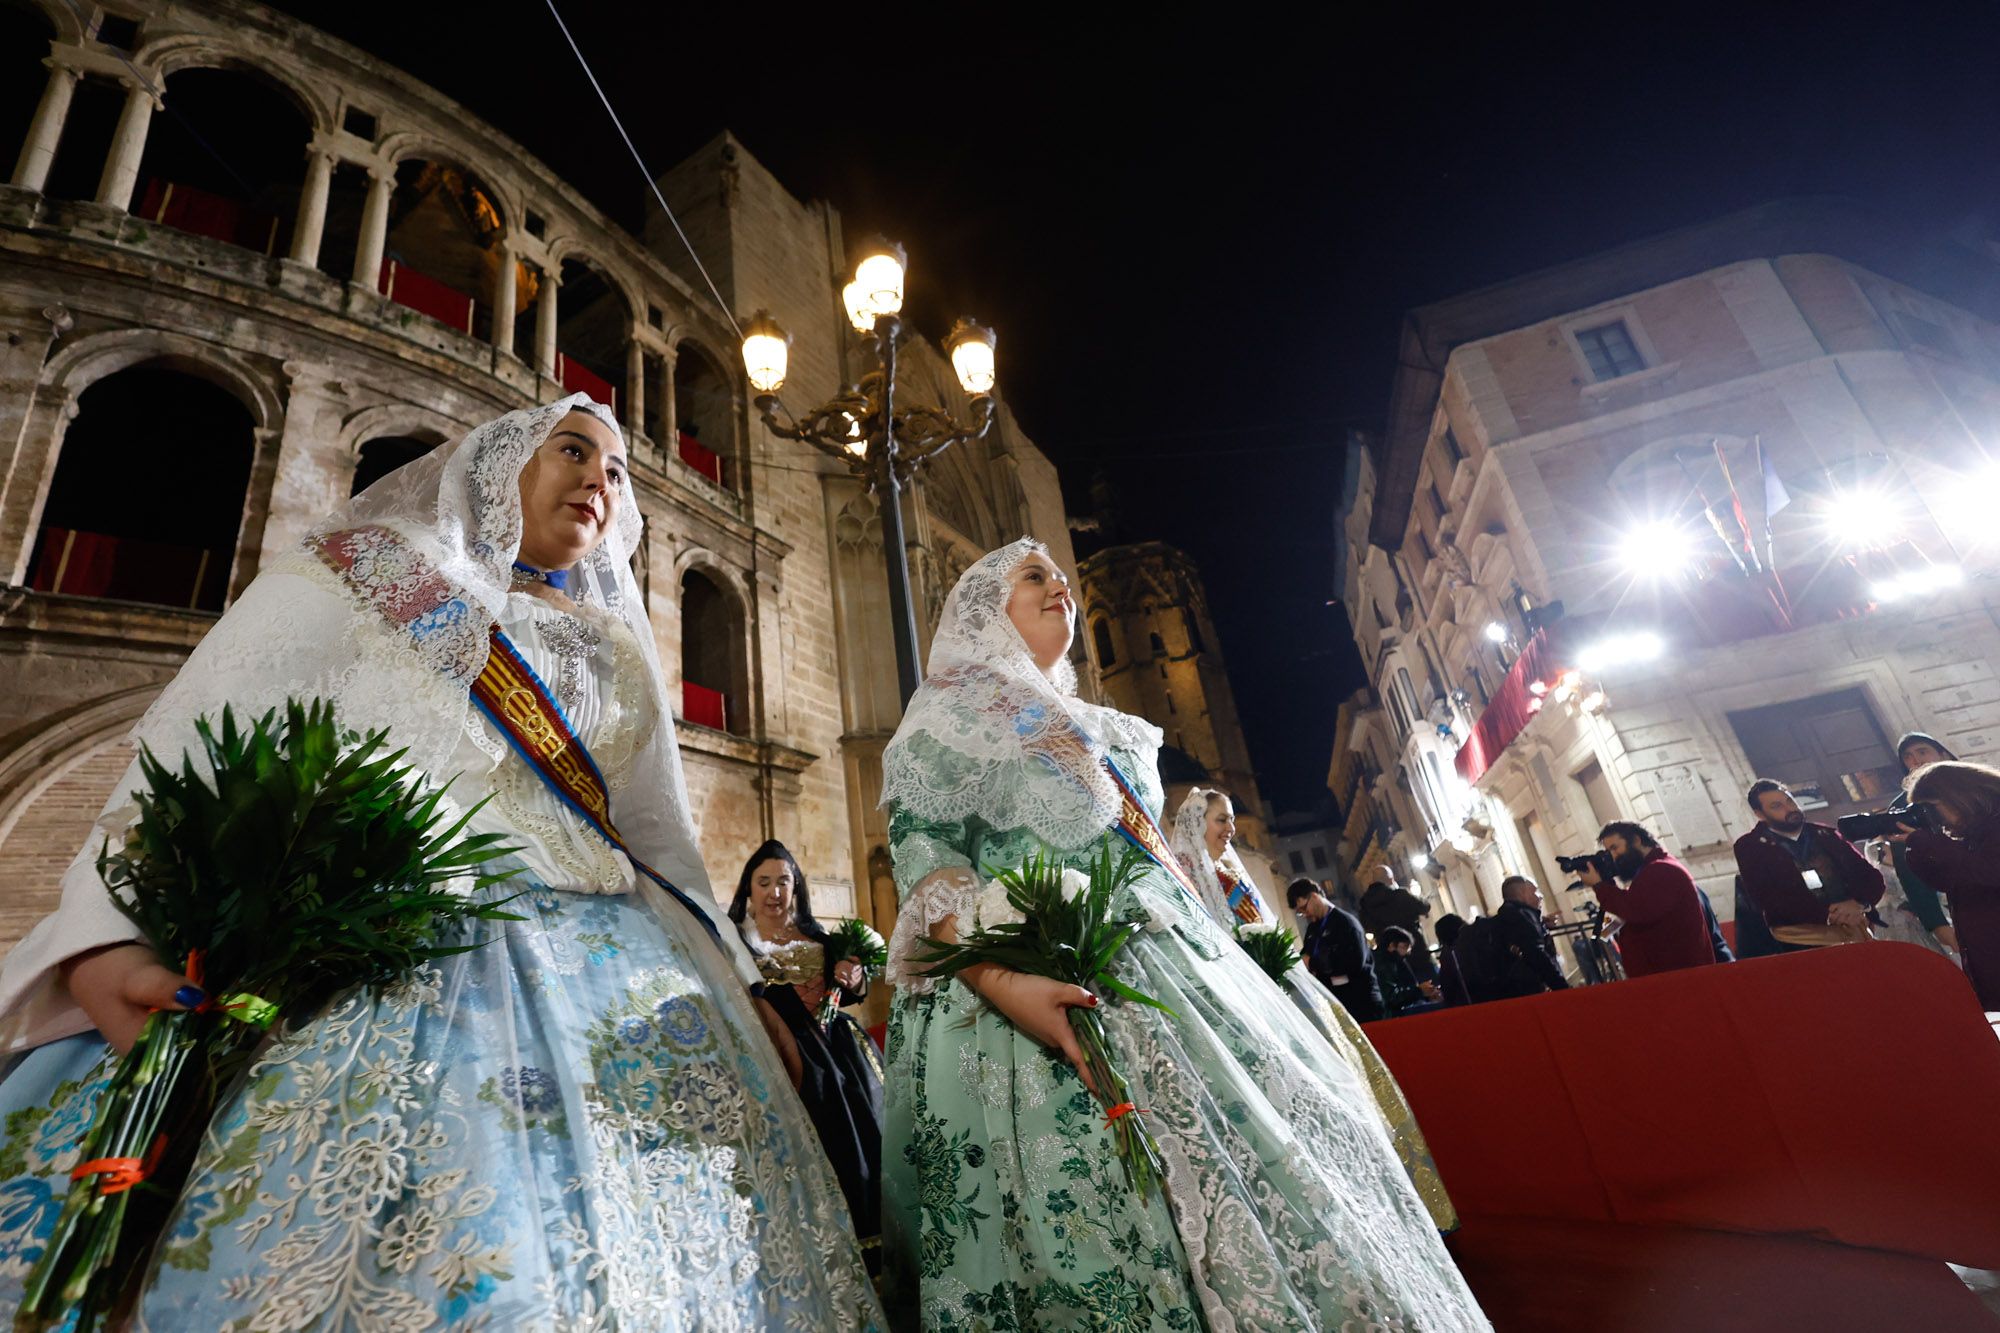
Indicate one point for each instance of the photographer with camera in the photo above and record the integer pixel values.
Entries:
(1810, 884)
(1665, 929)
(1960, 859)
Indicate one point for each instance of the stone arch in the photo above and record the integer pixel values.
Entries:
(714, 619)
(93, 357)
(102, 529)
(397, 419)
(446, 229)
(52, 787)
(707, 404)
(66, 19)
(597, 308)
(184, 51)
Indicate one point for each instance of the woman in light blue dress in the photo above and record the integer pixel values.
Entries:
(1285, 1206)
(582, 1124)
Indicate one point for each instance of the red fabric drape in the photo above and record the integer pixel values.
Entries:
(703, 706)
(1726, 1098)
(1509, 712)
(701, 458)
(96, 564)
(579, 378)
(426, 295)
(185, 208)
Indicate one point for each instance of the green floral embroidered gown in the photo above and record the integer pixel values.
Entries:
(1005, 1206)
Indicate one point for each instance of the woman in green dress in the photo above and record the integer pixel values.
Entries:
(1004, 1203)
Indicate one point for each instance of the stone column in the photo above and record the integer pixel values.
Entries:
(313, 472)
(545, 324)
(374, 228)
(38, 152)
(503, 301)
(311, 224)
(128, 146)
(669, 418)
(635, 383)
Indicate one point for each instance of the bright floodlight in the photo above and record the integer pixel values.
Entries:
(1917, 583)
(1658, 548)
(1496, 632)
(880, 275)
(1860, 516)
(766, 351)
(1420, 861)
(1621, 650)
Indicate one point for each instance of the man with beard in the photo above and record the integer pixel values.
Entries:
(1811, 885)
(1664, 926)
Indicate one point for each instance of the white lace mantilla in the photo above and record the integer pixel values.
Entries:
(989, 733)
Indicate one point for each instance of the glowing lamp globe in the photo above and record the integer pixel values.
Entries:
(971, 346)
(879, 275)
(767, 349)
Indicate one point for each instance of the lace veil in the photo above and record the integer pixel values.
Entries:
(1192, 849)
(989, 734)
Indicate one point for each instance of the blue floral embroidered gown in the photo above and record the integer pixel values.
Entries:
(580, 1125)
(1005, 1207)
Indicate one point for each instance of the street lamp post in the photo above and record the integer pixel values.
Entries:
(881, 443)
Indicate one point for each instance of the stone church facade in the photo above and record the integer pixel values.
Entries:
(243, 357)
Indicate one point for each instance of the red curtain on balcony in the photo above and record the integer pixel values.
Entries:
(703, 706)
(426, 296)
(701, 458)
(1512, 707)
(185, 208)
(576, 377)
(96, 564)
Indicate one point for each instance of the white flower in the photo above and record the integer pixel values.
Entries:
(1260, 928)
(992, 908)
(1074, 883)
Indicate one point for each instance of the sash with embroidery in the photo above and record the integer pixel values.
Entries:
(1140, 829)
(1242, 894)
(510, 693)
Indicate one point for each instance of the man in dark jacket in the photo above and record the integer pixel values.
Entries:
(1384, 905)
(1664, 927)
(1802, 874)
(1531, 966)
(1337, 952)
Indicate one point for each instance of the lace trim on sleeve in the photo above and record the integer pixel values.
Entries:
(947, 892)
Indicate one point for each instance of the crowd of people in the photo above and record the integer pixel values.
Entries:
(1933, 880)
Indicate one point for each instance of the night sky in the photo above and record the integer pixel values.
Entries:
(1195, 240)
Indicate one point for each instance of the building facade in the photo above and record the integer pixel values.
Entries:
(201, 360)
(1648, 526)
(1153, 647)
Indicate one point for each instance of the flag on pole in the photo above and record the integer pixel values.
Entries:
(1736, 504)
(1776, 497)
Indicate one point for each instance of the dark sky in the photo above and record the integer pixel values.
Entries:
(1195, 235)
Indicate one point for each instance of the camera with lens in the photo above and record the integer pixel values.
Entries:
(1883, 823)
(1599, 860)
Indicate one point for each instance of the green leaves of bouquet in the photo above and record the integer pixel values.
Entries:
(305, 861)
(856, 939)
(1274, 947)
(1069, 932)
